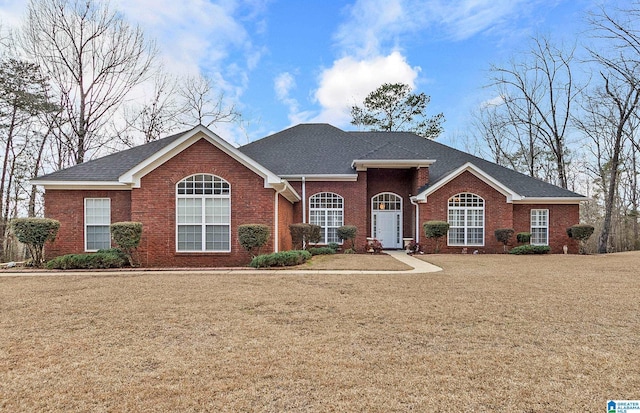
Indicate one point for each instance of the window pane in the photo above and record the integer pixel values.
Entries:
(189, 210)
(456, 236)
(474, 236)
(98, 237)
(98, 211)
(217, 238)
(217, 210)
(189, 238)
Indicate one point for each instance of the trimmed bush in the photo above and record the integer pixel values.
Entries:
(35, 233)
(127, 236)
(111, 258)
(523, 237)
(253, 237)
(530, 249)
(437, 230)
(503, 235)
(581, 233)
(334, 246)
(322, 251)
(373, 245)
(280, 259)
(302, 235)
(348, 232)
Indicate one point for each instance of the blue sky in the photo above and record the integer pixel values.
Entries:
(284, 62)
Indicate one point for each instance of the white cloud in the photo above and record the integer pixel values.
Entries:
(350, 80)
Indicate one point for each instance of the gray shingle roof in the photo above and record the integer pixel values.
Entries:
(110, 167)
(322, 149)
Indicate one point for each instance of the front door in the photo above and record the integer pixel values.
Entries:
(386, 219)
(386, 228)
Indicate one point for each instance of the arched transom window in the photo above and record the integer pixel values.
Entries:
(203, 214)
(326, 209)
(387, 202)
(466, 220)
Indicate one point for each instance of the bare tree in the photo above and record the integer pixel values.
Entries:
(539, 93)
(620, 74)
(94, 58)
(203, 103)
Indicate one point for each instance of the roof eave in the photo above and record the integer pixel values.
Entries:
(364, 164)
(322, 177)
(54, 184)
(552, 200)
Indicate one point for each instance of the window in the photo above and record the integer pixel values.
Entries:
(326, 210)
(97, 218)
(203, 214)
(539, 227)
(466, 220)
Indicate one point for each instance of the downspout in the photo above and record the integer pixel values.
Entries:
(304, 200)
(417, 229)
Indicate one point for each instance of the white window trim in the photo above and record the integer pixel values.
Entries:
(465, 227)
(93, 225)
(203, 224)
(539, 226)
(325, 211)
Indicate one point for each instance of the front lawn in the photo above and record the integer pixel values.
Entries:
(489, 333)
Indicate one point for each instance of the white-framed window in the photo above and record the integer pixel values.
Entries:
(326, 209)
(466, 220)
(539, 227)
(97, 221)
(203, 214)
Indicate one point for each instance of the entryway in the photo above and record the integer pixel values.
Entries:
(386, 219)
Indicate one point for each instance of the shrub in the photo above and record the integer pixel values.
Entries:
(127, 236)
(34, 233)
(334, 246)
(373, 245)
(437, 230)
(413, 248)
(280, 259)
(523, 237)
(348, 232)
(111, 258)
(582, 233)
(503, 235)
(322, 251)
(530, 249)
(302, 235)
(253, 237)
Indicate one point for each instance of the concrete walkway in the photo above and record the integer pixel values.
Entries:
(419, 267)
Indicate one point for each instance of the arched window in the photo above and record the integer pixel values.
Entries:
(327, 210)
(203, 214)
(387, 202)
(466, 220)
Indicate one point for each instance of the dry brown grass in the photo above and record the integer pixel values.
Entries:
(353, 262)
(489, 333)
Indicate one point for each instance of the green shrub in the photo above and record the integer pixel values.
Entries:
(127, 236)
(112, 258)
(581, 233)
(437, 230)
(530, 249)
(503, 235)
(523, 237)
(35, 233)
(303, 235)
(348, 232)
(334, 246)
(322, 251)
(280, 259)
(253, 237)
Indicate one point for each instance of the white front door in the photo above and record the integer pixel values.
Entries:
(387, 228)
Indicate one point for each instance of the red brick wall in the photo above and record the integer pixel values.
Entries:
(498, 214)
(355, 202)
(561, 217)
(153, 204)
(285, 218)
(67, 206)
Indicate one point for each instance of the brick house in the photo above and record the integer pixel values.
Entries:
(192, 190)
